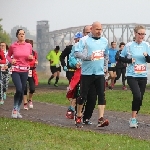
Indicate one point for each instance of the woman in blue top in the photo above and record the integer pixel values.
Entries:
(136, 54)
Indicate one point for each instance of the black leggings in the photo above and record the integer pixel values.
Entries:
(137, 86)
(90, 103)
(31, 86)
(87, 81)
(119, 72)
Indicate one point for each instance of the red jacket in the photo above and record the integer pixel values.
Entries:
(35, 58)
(2, 57)
(73, 83)
(32, 64)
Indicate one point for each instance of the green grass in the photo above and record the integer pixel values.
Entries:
(118, 100)
(25, 135)
(43, 81)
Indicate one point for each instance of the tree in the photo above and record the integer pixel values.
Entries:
(4, 36)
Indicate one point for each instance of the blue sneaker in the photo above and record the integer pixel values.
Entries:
(4, 96)
(133, 123)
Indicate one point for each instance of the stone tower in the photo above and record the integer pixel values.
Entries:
(43, 46)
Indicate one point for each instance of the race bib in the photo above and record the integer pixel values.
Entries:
(3, 69)
(97, 55)
(10, 71)
(58, 65)
(30, 73)
(140, 68)
(113, 65)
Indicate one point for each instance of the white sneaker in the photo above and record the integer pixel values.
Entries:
(1, 102)
(30, 104)
(14, 113)
(133, 123)
(25, 106)
(18, 115)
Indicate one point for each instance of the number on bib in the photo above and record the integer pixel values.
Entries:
(30, 73)
(113, 64)
(140, 68)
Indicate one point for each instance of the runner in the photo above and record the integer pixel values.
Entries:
(5, 70)
(69, 73)
(112, 65)
(32, 78)
(55, 67)
(22, 53)
(2, 62)
(92, 50)
(136, 53)
(120, 67)
(89, 105)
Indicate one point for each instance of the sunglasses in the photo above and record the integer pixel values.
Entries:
(141, 34)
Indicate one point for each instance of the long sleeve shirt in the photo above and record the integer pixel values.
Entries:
(20, 52)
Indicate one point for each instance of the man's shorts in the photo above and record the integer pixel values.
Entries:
(55, 69)
(69, 75)
(112, 69)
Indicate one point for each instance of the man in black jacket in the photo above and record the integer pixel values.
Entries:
(69, 72)
(120, 67)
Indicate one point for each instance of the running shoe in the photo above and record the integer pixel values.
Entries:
(70, 114)
(14, 113)
(133, 123)
(87, 122)
(102, 122)
(124, 88)
(1, 102)
(78, 122)
(18, 115)
(30, 104)
(26, 106)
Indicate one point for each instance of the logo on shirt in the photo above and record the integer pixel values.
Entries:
(98, 54)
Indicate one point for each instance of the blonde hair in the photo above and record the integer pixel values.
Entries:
(138, 27)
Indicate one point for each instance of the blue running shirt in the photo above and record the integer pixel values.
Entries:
(99, 48)
(112, 60)
(135, 51)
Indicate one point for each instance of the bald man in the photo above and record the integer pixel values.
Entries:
(93, 50)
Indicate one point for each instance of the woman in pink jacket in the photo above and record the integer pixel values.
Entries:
(19, 54)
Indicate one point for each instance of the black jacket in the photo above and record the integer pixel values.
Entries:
(119, 64)
(65, 53)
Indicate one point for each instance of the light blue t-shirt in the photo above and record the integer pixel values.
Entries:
(72, 60)
(135, 51)
(99, 48)
(112, 60)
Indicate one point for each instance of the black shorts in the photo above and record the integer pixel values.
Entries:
(69, 75)
(112, 69)
(55, 69)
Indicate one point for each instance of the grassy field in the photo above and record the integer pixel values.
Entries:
(25, 135)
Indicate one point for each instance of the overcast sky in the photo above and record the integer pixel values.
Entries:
(70, 13)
